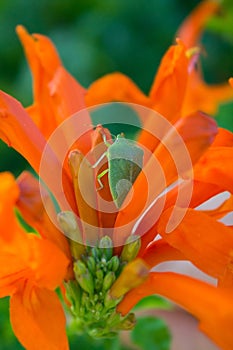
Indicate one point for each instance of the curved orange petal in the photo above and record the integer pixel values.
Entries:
(9, 193)
(67, 97)
(31, 207)
(57, 95)
(41, 54)
(205, 97)
(30, 258)
(168, 89)
(225, 208)
(212, 306)
(193, 134)
(197, 132)
(107, 219)
(214, 165)
(12, 273)
(208, 244)
(48, 263)
(19, 131)
(200, 95)
(160, 251)
(223, 138)
(201, 192)
(115, 87)
(38, 321)
(192, 27)
(85, 194)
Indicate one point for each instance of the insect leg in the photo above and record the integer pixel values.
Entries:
(99, 177)
(99, 160)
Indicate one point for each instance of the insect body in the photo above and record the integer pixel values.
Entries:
(125, 161)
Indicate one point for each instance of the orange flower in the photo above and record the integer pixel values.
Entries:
(158, 204)
(31, 269)
(176, 73)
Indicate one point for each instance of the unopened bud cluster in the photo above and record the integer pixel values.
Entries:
(95, 272)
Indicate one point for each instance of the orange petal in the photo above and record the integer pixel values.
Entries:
(168, 90)
(192, 27)
(107, 217)
(205, 97)
(13, 271)
(18, 130)
(47, 262)
(115, 87)
(56, 93)
(200, 95)
(39, 323)
(201, 192)
(192, 135)
(197, 132)
(223, 138)
(43, 61)
(41, 54)
(29, 257)
(208, 244)
(85, 194)
(225, 208)
(9, 192)
(212, 306)
(216, 167)
(160, 251)
(31, 207)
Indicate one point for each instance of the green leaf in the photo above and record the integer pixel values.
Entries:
(151, 333)
(153, 302)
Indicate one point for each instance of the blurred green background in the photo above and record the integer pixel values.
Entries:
(98, 37)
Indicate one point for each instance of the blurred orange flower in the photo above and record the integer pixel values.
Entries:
(31, 269)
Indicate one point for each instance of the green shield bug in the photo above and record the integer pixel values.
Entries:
(125, 161)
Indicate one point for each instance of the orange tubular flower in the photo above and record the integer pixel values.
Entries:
(187, 160)
(177, 73)
(31, 268)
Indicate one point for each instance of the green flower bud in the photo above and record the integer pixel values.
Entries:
(91, 265)
(131, 248)
(80, 267)
(73, 294)
(69, 226)
(108, 280)
(100, 275)
(128, 322)
(84, 277)
(99, 280)
(110, 302)
(106, 247)
(96, 253)
(113, 264)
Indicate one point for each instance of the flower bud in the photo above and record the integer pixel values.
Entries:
(113, 264)
(128, 322)
(84, 277)
(131, 248)
(69, 226)
(108, 280)
(106, 247)
(132, 276)
(91, 264)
